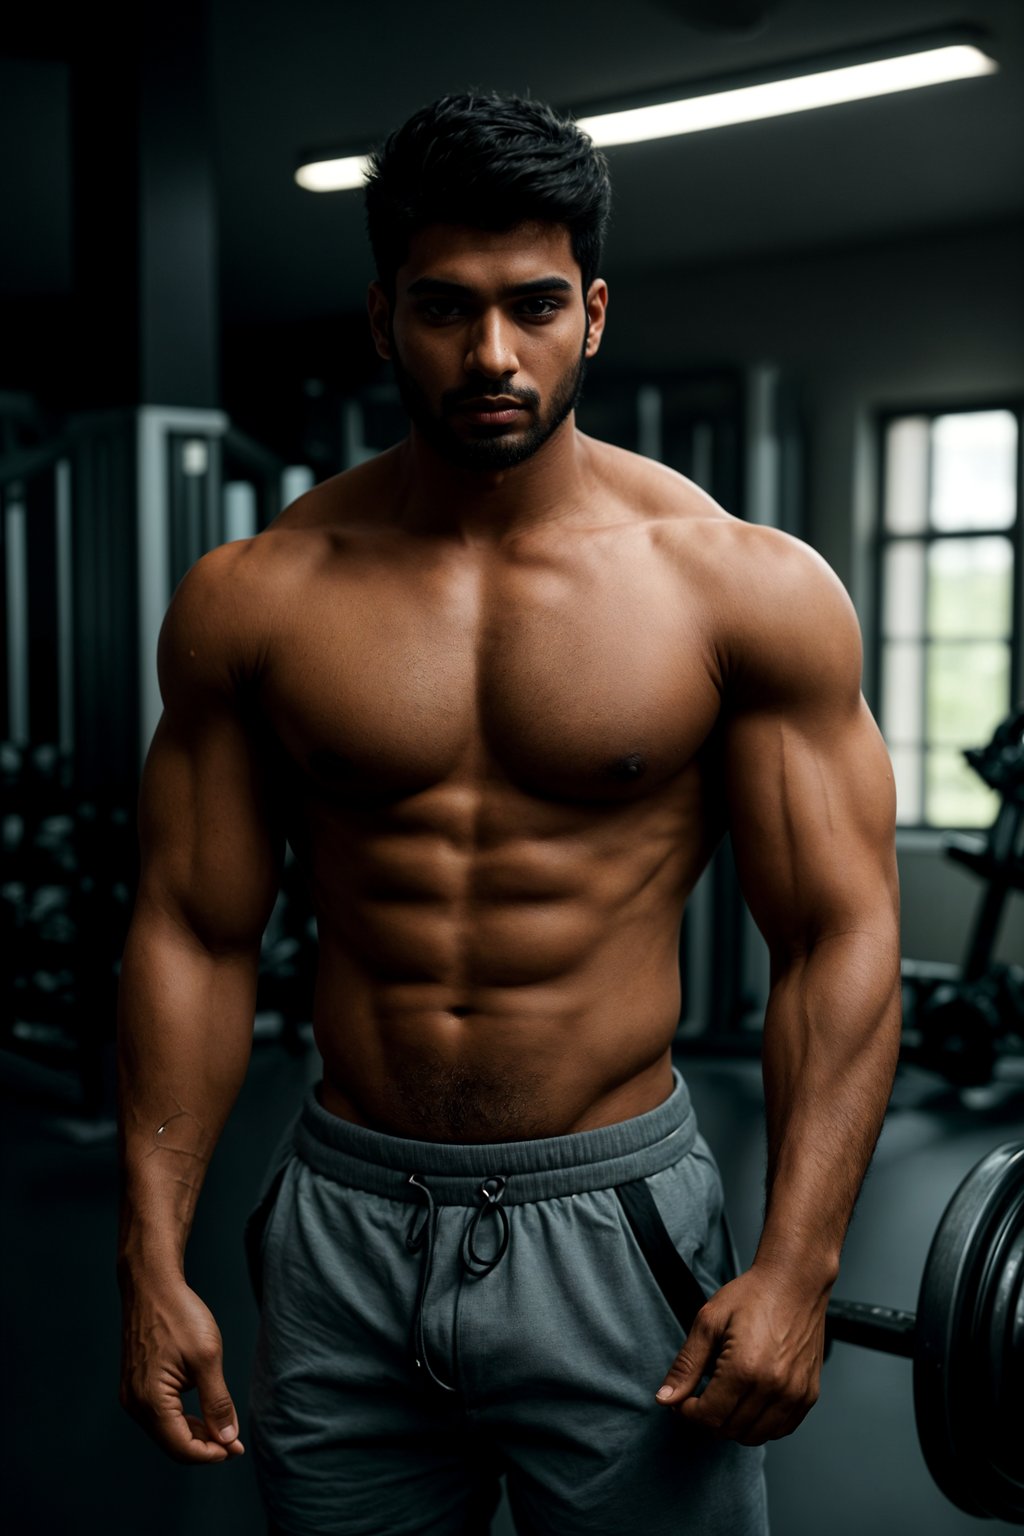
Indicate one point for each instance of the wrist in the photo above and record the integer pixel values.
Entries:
(809, 1271)
(148, 1257)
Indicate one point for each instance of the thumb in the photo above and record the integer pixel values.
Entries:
(215, 1403)
(689, 1365)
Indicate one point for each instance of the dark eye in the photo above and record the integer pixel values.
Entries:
(440, 309)
(541, 314)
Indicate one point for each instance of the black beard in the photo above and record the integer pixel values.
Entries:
(488, 453)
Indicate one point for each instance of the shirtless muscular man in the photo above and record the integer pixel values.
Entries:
(503, 689)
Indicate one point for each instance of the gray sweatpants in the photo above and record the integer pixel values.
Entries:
(436, 1315)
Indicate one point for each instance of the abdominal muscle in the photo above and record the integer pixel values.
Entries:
(539, 1062)
(508, 1022)
(496, 965)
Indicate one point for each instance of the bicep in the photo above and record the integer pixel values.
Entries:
(810, 789)
(211, 856)
(811, 817)
(210, 837)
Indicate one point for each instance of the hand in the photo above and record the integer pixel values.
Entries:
(170, 1342)
(766, 1342)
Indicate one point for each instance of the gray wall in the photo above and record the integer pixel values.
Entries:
(934, 319)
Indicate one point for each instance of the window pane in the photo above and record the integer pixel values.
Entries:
(968, 692)
(903, 590)
(906, 475)
(970, 587)
(974, 470)
(902, 693)
(954, 794)
(906, 765)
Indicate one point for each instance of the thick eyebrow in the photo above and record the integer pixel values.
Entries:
(516, 291)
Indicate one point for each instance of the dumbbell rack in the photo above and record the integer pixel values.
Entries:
(69, 878)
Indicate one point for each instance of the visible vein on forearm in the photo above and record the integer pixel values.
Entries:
(161, 1144)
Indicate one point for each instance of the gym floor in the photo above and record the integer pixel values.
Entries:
(75, 1463)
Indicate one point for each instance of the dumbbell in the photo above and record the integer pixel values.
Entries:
(966, 1341)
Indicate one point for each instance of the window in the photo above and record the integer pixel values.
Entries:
(950, 585)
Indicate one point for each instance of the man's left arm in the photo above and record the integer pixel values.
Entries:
(812, 812)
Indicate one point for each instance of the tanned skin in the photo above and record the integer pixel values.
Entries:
(504, 716)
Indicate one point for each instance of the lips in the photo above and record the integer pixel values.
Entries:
(491, 412)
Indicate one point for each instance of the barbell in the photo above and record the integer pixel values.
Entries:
(966, 1340)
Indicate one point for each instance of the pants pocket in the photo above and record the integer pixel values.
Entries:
(673, 1276)
(690, 1252)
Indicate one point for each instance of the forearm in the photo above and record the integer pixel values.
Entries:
(831, 1042)
(184, 1038)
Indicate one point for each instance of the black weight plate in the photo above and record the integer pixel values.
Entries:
(1003, 1363)
(967, 1365)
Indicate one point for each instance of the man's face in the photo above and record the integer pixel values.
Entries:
(489, 337)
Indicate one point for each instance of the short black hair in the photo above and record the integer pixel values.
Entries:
(488, 161)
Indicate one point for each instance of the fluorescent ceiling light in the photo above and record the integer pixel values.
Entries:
(718, 109)
(801, 93)
(333, 175)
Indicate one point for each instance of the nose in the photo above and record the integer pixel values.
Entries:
(491, 349)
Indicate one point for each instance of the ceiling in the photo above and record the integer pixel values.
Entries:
(319, 73)
(308, 74)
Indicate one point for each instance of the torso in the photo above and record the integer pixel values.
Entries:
(502, 771)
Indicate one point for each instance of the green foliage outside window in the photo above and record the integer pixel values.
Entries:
(948, 627)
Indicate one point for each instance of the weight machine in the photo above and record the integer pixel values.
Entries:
(962, 1023)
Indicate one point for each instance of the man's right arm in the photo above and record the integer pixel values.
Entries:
(211, 850)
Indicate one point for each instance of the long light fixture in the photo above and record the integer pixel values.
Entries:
(800, 93)
(933, 64)
(336, 175)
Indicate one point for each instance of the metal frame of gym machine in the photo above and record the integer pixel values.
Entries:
(97, 524)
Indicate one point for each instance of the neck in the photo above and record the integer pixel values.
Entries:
(433, 496)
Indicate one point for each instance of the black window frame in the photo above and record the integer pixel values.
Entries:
(884, 417)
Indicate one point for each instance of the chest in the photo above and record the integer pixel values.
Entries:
(585, 679)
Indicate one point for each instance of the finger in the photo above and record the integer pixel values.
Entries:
(686, 1370)
(737, 1417)
(779, 1416)
(164, 1420)
(201, 1432)
(757, 1414)
(216, 1407)
(178, 1434)
(722, 1398)
(776, 1402)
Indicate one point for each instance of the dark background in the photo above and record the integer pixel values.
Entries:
(165, 283)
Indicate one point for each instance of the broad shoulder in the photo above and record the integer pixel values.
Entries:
(234, 585)
(769, 569)
(788, 626)
(212, 633)
(776, 609)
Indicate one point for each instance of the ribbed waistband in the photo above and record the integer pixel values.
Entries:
(532, 1170)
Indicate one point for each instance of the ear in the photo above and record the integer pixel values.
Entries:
(380, 315)
(597, 307)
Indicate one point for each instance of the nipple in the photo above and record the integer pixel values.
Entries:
(627, 768)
